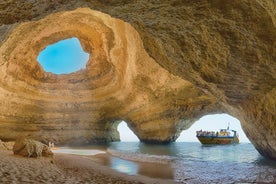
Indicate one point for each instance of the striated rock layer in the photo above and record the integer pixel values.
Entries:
(179, 61)
(120, 82)
(31, 148)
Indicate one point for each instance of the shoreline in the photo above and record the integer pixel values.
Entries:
(65, 168)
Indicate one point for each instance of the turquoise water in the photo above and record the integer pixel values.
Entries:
(191, 162)
(196, 163)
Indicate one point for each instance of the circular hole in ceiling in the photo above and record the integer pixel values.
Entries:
(63, 57)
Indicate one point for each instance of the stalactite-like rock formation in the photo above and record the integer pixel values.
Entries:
(159, 66)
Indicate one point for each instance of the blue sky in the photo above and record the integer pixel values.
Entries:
(67, 56)
(63, 57)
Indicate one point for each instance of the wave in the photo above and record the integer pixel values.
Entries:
(78, 151)
(140, 157)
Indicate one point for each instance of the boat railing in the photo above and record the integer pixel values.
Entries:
(206, 133)
(213, 133)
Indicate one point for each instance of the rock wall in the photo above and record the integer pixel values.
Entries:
(173, 63)
(120, 82)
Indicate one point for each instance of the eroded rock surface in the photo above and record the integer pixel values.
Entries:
(6, 145)
(182, 60)
(31, 148)
(120, 82)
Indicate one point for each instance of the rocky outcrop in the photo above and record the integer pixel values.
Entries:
(175, 62)
(31, 148)
(120, 82)
(6, 145)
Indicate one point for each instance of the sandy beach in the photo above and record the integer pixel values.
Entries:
(64, 168)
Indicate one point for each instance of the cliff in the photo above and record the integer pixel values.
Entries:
(157, 65)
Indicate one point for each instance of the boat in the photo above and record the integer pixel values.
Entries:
(223, 136)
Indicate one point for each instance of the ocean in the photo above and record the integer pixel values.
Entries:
(190, 162)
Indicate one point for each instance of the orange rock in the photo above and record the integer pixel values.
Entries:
(173, 62)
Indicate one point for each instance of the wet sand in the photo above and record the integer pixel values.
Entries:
(152, 170)
(65, 168)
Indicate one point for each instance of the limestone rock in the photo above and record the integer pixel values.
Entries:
(31, 148)
(160, 66)
(2, 145)
(6, 145)
(120, 82)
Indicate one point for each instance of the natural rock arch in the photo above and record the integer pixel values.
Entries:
(126, 134)
(199, 58)
(83, 107)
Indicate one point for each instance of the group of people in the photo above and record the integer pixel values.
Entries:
(212, 133)
(206, 133)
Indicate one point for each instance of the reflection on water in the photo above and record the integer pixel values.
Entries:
(190, 162)
(156, 170)
(164, 171)
(123, 166)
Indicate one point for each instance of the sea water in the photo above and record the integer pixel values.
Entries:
(195, 163)
(191, 162)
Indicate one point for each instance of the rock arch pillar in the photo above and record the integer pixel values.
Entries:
(195, 64)
(258, 120)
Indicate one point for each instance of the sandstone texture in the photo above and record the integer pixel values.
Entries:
(159, 66)
(6, 145)
(31, 148)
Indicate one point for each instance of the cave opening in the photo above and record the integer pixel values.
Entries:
(126, 134)
(63, 57)
(213, 123)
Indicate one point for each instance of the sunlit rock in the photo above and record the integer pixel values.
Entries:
(6, 145)
(175, 62)
(31, 148)
(120, 82)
